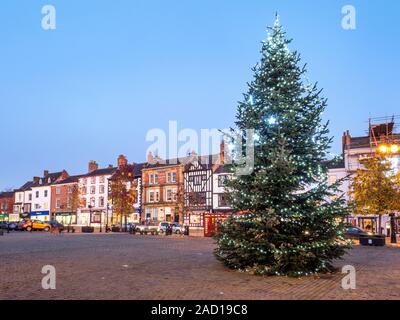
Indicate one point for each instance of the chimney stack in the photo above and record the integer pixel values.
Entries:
(150, 158)
(122, 161)
(36, 179)
(222, 152)
(93, 166)
(45, 173)
(346, 140)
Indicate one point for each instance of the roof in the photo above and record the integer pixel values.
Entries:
(135, 169)
(222, 169)
(100, 172)
(72, 179)
(8, 194)
(25, 187)
(138, 169)
(45, 180)
(208, 160)
(365, 142)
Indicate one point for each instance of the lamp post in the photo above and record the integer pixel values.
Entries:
(101, 221)
(390, 150)
(90, 215)
(108, 206)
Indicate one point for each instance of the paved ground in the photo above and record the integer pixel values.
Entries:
(119, 266)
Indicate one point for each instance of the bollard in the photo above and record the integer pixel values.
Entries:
(1, 232)
(186, 233)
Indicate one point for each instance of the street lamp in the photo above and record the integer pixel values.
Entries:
(90, 215)
(108, 207)
(388, 148)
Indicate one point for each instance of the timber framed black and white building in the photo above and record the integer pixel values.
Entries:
(204, 188)
(198, 190)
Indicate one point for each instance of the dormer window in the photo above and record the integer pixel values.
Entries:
(49, 180)
(40, 181)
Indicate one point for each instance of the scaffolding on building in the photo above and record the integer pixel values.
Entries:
(384, 131)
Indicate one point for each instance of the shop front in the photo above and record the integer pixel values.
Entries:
(212, 222)
(40, 215)
(194, 219)
(14, 217)
(91, 218)
(65, 218)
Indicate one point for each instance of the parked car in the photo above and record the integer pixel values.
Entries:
(36, 225)
(20, 225)
(12, 226)
(162, 227)
(147, 228)
(353, 232)
(177, 228)
(3, 225)
(56, 224)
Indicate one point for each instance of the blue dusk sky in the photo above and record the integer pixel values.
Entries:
(113, 70)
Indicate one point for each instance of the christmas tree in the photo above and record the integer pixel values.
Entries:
(289, 221)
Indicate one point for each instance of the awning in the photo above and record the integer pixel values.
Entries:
(3, 216)
(64, 214)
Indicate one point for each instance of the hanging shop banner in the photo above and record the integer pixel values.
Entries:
(40, 213)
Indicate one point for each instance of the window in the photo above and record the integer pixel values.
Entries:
(69, 203)
(197, 180)
(171, 177)
(37, 194)
(58, 190)
(222, 180)
(148, 214)
(37, 206)
(157, 196)
(169, 196)
(92, 190)
(93, 180)
(102, 179)
(101, 202)
(222, 201)
(198, 198)
(30, 197)
(84, 190)
(70, 189)
(153, 178)
(84, 181)
(154, 214)
(93, 202)
(102, 189)
(46, 193)
(58, 203)
(151, 196)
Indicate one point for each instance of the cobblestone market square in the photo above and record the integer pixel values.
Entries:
(128, 267)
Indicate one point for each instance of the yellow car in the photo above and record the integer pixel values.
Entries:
(36, 225)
